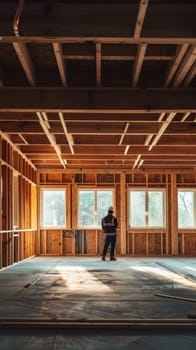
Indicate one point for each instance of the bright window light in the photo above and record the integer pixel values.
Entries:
(146, 208)
(186, 208)
(92, 206)
(53, 208)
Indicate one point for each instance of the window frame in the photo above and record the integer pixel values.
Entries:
(185, 228)
(147, 226)
(96, 190)
(48, 188)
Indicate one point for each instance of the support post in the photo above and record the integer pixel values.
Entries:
(174, 216)
(123, 221)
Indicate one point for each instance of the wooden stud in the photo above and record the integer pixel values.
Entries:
(174, 215)
(123, 214)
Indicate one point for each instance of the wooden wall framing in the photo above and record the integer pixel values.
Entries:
(21, 236)
(130, 242)
(18, 202)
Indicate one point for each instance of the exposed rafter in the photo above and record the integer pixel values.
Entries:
(68, 136)
(124, 133)
(164, 126)
(98, 64)
(60, 62)
(175, 64)
(106, 100)
(138, 63)
(190, 76)
(185, 116)
(51, 138)
(140, 17)
(26, 62)
(103, 85)
(185, 66)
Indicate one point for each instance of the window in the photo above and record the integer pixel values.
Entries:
(186, 208)
(92, 206)
(147, 208)
(53, 208)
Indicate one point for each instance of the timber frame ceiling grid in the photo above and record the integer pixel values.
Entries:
(99, 84)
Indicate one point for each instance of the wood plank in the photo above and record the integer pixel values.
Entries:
(123, 214)
(175, 297)
(102, 100)
(60, 62)
(174, 212)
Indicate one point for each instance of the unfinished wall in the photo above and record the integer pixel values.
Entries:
(18, 206)
(131, 242)
(21, 235)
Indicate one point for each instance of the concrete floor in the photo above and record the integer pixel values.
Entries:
(88, 289)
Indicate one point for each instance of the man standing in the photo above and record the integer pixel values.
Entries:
(109, 225)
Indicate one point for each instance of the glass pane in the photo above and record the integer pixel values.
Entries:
(185, 208)
(137, 208)
(86, 206)
(155, 209)
(104, 200)
(53, 207)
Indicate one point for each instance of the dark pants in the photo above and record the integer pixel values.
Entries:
(109, 240)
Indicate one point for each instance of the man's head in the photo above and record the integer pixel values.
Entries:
(110, 210)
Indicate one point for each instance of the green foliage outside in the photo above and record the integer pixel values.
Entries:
(146, 209)
(186, 212)
(92, 206)
(54, 210)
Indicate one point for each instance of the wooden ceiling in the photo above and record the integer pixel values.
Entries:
(99, 84)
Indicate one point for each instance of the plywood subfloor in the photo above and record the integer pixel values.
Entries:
(90, 289)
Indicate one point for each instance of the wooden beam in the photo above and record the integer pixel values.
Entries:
(162, 130)
(136, 161)
(123, 225)
(51, 138)
(185, 66)
(175, 64)
(185, 116)
(25, 60)
(98, 64)
(148, 139)
(60, 62)
(117, 324)
(174, 216)
(68, 136)
(191, 74)
(159, 40)
(140, 17)
(107, 100)
(124, 133)
(118, 57)
(5, 137)
(138, 63)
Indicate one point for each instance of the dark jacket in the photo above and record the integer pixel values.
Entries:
(109, 224)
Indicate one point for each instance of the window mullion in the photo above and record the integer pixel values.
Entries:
(95, 208)
(146, 208)
(194, 208)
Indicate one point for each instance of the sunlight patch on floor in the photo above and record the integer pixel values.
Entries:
(166, 274)
(77, 278)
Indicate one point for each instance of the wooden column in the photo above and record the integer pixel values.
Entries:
(174, 216)
(37, 211)
(74, 207)
(1, 263)
(123, 221)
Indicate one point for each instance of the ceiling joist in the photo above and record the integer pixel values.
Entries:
(60, 62)
(100, 85)
(107, 100)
